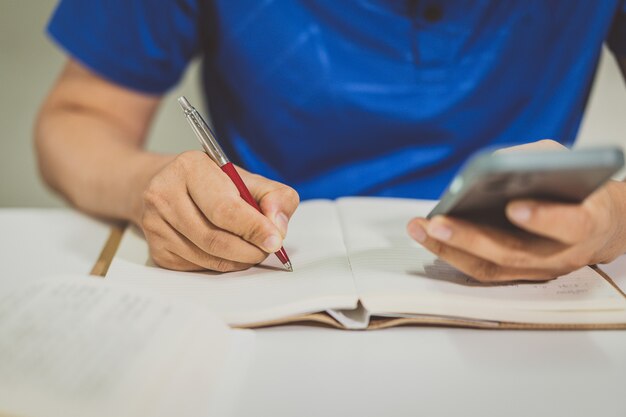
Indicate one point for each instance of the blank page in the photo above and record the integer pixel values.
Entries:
(321, 279)
(394, 274)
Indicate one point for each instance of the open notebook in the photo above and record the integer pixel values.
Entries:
(355, 267)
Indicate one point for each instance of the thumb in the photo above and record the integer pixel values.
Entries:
(278, 201)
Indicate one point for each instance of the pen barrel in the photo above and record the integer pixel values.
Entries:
(229, 169)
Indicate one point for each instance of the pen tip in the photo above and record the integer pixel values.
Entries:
(184, 103)
(288, 266)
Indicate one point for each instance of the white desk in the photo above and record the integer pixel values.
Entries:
(309, 371)
(436, 372)
(36, 242)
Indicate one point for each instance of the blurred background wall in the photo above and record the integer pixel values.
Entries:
(29, 64)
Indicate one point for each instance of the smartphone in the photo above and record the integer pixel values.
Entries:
(488, 181)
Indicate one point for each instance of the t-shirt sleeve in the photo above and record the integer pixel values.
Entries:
(617, 34)
(144, 45)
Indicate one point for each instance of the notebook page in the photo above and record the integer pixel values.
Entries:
(77, 346)
(394, 274)
(321, 279)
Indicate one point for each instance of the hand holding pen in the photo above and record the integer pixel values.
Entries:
(194, 218)
(211, 146)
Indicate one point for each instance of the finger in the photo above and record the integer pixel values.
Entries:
(185, 217)
(179, 245)
(157, 233)
(217, 197)
(196, 256)
(508, 249)
(168, 260)
(505, 248)
(278, 201)
(567, 223)
(478, 268)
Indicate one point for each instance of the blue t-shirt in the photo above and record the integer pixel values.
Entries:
(367, 97)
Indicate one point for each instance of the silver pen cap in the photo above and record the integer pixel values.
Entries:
(203, 132)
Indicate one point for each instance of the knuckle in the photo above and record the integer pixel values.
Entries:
(512, 259)
(433, 246)
(487, 271)
(224, 265)
(513, 243)
(221, 265)
(437, 248)
(188, 159)
(163, 259)
(155, 196)
(440, 249)
(148, 225)
(214, 243)
(151, 196)
(223, 211)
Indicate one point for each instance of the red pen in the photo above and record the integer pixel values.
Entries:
(211, 146)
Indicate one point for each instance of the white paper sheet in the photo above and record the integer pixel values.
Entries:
(76, 346)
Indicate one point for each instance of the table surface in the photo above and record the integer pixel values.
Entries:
(37, 242)
(313, 371)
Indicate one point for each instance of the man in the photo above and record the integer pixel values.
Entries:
(374, 97)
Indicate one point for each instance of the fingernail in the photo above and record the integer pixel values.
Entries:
(417, 232)
(281, 221)
(273, 243)
(439, 231)
(520, 213)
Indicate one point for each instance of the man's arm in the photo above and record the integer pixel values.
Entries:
(89, 137)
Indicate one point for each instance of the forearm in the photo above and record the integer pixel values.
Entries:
(92, 162)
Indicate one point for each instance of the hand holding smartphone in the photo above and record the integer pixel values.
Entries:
(489, 181)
